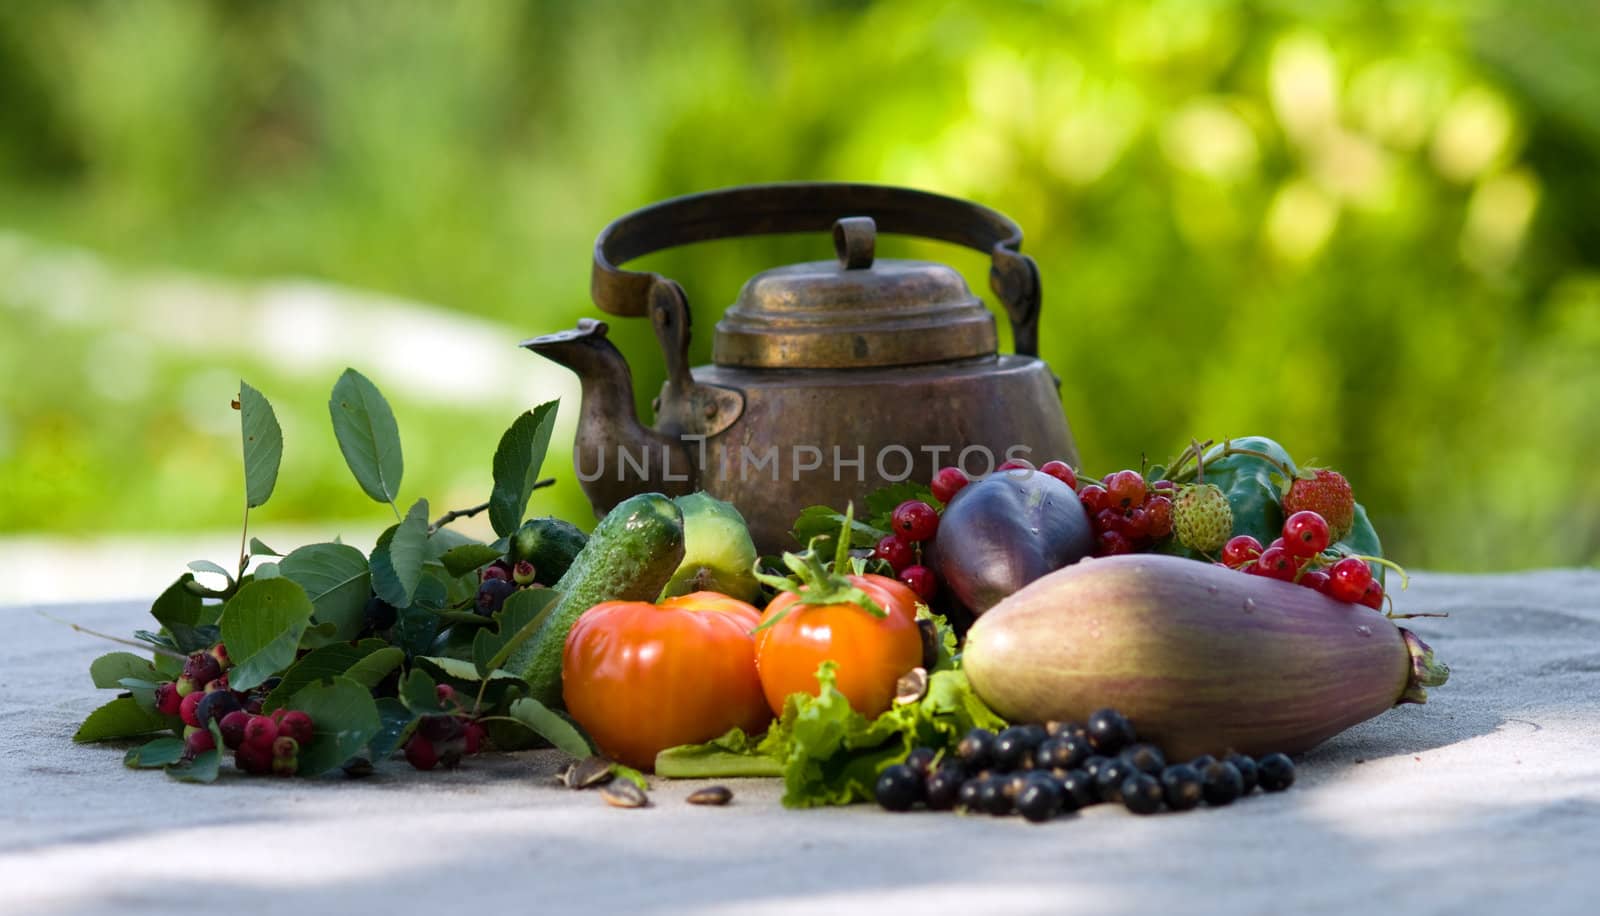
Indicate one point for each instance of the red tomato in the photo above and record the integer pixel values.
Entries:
(643, 677)
(871, 652)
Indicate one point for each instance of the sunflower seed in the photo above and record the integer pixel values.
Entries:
(624, 794)
(711, 795)
(590, 772)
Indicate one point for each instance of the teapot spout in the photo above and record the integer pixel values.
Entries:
(614, 455)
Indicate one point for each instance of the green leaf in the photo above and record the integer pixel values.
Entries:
(158, 753)
(516, 466)
(415, 629)
(210, 567)
(732, 754)
(178, 605)
(263, 444)
(258, 549)
(368, 436)
(320, 664)
(458, 561)
(121, 718)
(337, 579)
(203, 768)
(419, 692)
(821, 521)
(397, 722)
(551, 727)
(397, 558)
(109, 669)
(344, 718)
(273, 570)
(261, 626)
(369, 672)
(519, 618)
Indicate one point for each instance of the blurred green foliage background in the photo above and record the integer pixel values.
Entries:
(1369, 230)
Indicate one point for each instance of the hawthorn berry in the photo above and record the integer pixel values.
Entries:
(213, 706)
(1112, 543)
(420, 753)
(921, 580)
(1061, 471)
(260, 731)
(201, 669)
(445, 693)
(167, 699)
(1348, 579)
(296, 725)
(1305, 534)
(947, 482)
(253, 758)
(1136, 524)
(523, 573)
(915, 520)
(494, 571)
(1016, 464)
(219, 684)
(492, 594)
(285, 746)
(187, 709)
(198, 741)
(896, 551)
(475, 736)
(220, 653)
(1316, 580)
(232, 728)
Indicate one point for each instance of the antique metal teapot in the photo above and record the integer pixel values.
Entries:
(830, 378)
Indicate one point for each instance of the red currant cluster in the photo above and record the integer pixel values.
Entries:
(1297, 557)
(201, 696)
(914, 523)
(1127, 514)
(444, 738)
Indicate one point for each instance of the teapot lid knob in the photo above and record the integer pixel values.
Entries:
(855, 239)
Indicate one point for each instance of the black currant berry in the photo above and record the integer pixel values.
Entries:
(1092, 765)
(942, 788)
(1181, 786)
(1067, 730)
(1034, 735)
(1146, 758)
(1221, 783)
(1110, 731)
(968, 795)
(1013, 750)
(920, 759)
(899, 787)
(1077, 788)
(1141, 794)
(1108, 782)
(1062, 753)
(976, 750)
(1200, 763)
(1040, 800)
(1275, 772)
(1247, 771)
(992, 796)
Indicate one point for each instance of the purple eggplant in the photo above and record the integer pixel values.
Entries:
(1006, 530)
(1204, 660)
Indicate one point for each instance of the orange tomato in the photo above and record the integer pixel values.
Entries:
(871, 652)
(643, 677)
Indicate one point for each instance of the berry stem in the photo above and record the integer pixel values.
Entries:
(158, 650)
(244, 531)
(1197, 449)
(1405, 580)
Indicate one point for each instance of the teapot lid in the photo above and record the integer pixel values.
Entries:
(854, 312)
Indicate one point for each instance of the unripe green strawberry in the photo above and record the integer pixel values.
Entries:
(1328, 494)
(1202, 518)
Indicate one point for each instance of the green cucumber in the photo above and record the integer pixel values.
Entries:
(630, 556)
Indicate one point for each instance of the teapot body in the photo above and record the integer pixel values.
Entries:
(827, 437)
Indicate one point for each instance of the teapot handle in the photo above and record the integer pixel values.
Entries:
(798, 207)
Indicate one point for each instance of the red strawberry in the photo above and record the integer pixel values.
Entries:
(1329, 495)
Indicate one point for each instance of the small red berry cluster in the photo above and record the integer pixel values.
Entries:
(1297, 556)
(1127, 514)
(443, 739)
(498, 581)
(201, 696)
(915, 523)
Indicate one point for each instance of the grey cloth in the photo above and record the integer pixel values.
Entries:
(1485, 800)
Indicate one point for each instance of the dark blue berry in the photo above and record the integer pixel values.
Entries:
(1181, 786)
(1221, 783)
(899, 787)
(1141, 794)
(1275, 772)
(1040, 799)
(1247, 771)
(1146, 758)
(492, 593)
(1110, 731)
